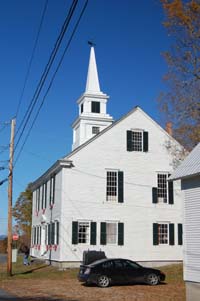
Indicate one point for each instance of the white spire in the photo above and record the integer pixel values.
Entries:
(92, 84)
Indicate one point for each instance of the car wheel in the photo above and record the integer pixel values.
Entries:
(103, 281)
(152, 279)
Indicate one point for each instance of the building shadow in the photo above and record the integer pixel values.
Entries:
(29, 271)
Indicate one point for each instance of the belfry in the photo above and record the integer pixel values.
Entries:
(93, 117)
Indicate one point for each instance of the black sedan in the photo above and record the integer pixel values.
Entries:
(105, 272)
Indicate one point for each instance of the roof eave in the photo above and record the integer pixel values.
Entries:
(55, 168)
(175, 178)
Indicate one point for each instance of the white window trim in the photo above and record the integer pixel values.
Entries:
(116, 238)
(107, 196)
(89, 230)
(142, 140)
(167, 190)
(164, 223)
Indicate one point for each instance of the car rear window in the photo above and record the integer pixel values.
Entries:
(107, 265)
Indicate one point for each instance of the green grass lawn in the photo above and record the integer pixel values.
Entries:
(37, 269)
(174, 272)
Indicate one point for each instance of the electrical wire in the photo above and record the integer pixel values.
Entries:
(46, 71)
(5, 124)
(52, 79)
(3, 181)
(4, 148)
(31, 58)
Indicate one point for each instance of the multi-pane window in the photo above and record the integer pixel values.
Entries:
(163, 234)
(111, 233)
(36, 235)
(95, 107)
(95, 130)
(52, 233)
(137, 141)
(162, 188)
(111, 188)
(83, 232)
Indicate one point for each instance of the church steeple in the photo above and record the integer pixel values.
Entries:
(92, 107)
(92, 84)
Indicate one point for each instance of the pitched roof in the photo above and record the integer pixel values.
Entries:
(190, 166)
(136, 108)
(65, 160)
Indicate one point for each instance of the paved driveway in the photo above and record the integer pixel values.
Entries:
(4, 296)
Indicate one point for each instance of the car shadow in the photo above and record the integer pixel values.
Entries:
(122, 284)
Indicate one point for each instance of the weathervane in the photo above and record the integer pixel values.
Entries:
(91, 43)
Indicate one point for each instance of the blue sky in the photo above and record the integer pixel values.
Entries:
(129, 38)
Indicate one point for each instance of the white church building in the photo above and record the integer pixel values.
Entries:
(111, 193)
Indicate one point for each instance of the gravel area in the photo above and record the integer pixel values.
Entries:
(73, 290)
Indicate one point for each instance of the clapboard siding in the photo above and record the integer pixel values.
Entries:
(191, 231)
(83, 194)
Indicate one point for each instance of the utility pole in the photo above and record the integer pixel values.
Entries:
(10, 184)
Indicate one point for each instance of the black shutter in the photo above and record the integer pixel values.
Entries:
(50, 188)
(171, 192)
(42, 206)
(155, 234)
(34, 235)
(154, 195)
(45, 200)
(171, 234)
(49, 234)
(180, 234)
(52, 233)
(145, 141)
(120, 234)
(40, 231)
(120, 187)
(57, 233)
(38, 199)
(129, 141)
(93, 233)
(74, 233)
(103, 234)
(54, 185)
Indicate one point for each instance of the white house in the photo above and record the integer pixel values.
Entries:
(189, 173)
(111, 192)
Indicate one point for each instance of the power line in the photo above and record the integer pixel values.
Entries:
(3, 181)
(103, 178)
(46, 71)
(53, 77)
(2, 167)
(4, 148)
(32, 56)
(5, 124)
